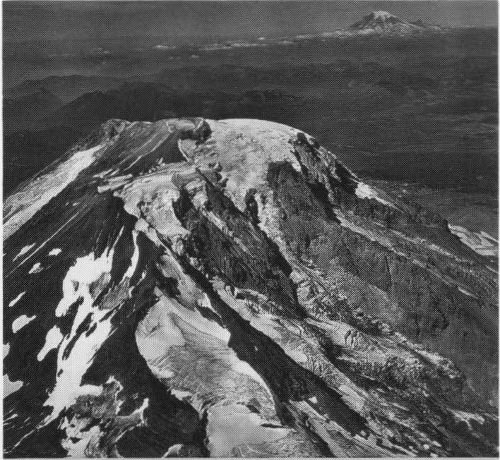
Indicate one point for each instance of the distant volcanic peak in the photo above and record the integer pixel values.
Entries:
(376, 19)
(383, 21)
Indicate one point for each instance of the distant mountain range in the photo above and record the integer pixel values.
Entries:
(65, 87)
(374, 23)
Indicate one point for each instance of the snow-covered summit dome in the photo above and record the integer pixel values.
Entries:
(383, 15)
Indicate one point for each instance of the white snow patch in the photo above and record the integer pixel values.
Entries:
(197, 321)
(44, 243)
(20, 322)
(17, 299)
(52, 340)
(365, 191)
(297, 355)
(23, 251)
(180, 394)
(206, 303)
(370, 234)
(269, 217)
(487, 235)
(77, 448)
(463, 291)
(245, 148)
(468, 416)
(355, 396)
(242, 367)
(163, 328)
(173, 451)
(382, 15)
(481, 242)
(24, 204)
(160, 372)
(70, 370)
(12, 416)
(36, 268)
(103, 174)
(180, 144)
(85, 271)
(233, 425)
(55, 252)
(78, 437)
(135, 257)
(156, 195)
(157, 333)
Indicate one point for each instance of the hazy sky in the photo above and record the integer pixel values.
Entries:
(81, 20)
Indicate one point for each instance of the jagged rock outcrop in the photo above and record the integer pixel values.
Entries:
(229, 288)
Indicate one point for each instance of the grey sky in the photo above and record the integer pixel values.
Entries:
(81, 20)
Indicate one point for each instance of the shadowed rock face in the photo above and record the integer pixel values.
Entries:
(229, 288)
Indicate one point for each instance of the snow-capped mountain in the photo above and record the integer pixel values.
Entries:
(384, 23)
(194, 287)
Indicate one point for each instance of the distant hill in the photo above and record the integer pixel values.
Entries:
(66, 87)
(153, 101)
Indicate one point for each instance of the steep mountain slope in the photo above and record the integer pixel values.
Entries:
(196, 287)
(26, 152)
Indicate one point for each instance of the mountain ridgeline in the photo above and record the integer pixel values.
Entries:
(192, 287)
